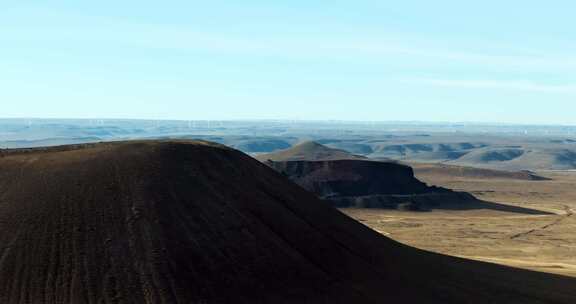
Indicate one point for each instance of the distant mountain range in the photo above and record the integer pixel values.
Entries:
(504, 147)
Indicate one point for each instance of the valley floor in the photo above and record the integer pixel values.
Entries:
(537, 242)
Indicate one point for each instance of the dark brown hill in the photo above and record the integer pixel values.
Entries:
(193, 222)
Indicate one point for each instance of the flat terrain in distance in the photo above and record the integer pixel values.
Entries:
(538, 242)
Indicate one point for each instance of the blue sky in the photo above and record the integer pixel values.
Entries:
(490, 61)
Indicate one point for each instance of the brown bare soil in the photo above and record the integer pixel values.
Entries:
(193, 222)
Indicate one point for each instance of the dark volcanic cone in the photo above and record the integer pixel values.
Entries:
(191, 222)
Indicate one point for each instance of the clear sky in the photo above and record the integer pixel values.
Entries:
(491, 60)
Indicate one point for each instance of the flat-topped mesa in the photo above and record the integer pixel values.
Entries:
(347, 180)
(368, 184)
(195, 222)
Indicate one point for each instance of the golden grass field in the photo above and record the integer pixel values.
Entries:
(538, 242)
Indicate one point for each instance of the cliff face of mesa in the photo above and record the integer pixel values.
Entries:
(364, 183)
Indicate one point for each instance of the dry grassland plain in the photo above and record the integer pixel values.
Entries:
(538, 242)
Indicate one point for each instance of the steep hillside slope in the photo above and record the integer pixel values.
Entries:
(193, 222)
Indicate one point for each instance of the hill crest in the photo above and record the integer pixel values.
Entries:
(308, 150)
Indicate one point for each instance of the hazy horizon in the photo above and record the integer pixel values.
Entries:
(295, 120)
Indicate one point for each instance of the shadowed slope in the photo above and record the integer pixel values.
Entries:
(183, 222)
